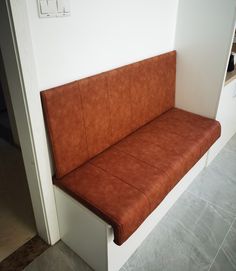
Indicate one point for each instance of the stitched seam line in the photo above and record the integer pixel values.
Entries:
(202, 139)
(125, 183)
(82, 113)
(156, 144)
(131, 107)
(143, 161)
(109, 109)
(165, 149)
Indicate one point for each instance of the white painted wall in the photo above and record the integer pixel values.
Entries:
(203, 39)
(98, 36)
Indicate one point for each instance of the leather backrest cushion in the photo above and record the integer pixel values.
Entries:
(63, 114)
(87, 116)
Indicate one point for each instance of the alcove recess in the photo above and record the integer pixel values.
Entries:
(226, 111)
(230, 76)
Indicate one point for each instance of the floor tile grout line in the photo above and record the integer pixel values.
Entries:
(228, 149)
(220, 172)
(201, 214)
(231, 226)
(213, 204)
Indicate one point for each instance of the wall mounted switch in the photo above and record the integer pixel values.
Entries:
(63, 7)
(53, 8)
(43, 7)
(60, 6)
(66, 6)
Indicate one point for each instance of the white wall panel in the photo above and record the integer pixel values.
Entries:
(203, 38)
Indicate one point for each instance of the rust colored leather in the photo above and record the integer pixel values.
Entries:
(119, 85)
(153, 88)
(148, 163)
(138, 174)
(121, 205)
(63, 115)
(98, 111)
(173, 142)
(119, 145)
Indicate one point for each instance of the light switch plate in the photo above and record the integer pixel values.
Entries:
(53, 8)
(63, 7)
(43, 7)
(60, 6)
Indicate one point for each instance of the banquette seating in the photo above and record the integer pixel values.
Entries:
(119, 146)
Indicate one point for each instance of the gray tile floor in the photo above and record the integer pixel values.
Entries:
(198, 233)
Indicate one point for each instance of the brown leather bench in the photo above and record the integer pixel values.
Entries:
(119, 144)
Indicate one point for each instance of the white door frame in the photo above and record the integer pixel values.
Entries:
(18, 58)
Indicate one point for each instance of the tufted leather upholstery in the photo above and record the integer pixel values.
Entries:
(119, 145)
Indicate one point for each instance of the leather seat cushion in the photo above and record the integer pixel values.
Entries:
(126, 182)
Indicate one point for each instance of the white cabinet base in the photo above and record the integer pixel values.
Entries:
(92, 238)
